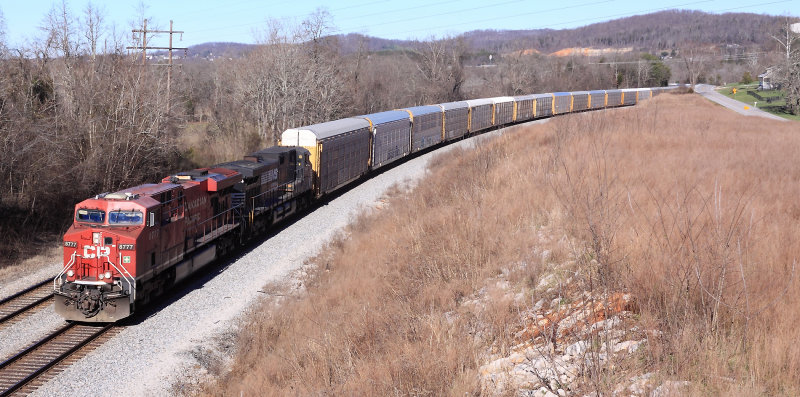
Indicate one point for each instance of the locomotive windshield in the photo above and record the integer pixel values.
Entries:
(90, 216)
(125, 218)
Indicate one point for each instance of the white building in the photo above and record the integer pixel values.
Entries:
(765, 80)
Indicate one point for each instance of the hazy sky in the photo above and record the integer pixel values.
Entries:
(238, 20)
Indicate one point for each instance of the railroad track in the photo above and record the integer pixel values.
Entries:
(25, 301)
(30, 368)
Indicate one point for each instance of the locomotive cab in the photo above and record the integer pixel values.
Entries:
(96, 283)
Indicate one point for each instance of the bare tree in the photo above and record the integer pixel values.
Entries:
(789, 70)
(293, 78)
(442, 70)
(93, 23)
(787, 38)
(696, 61)
(59, 29)
(3, 47)
(72, 126)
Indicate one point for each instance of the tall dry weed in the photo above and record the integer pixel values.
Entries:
(688, 207)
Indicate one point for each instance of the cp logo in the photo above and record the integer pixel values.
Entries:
(93, 251)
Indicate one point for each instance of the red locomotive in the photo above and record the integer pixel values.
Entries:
(125, 248)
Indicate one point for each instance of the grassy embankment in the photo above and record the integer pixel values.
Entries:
(681, 203)
(741, 95)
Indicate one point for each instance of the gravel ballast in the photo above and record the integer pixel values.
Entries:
(19, 282)
(29, 329)
(149, 357)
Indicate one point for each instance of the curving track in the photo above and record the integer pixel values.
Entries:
(23, 372)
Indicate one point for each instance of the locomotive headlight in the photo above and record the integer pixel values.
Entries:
(96, 238)
(70, 273)
(100, 276)
(108, 275)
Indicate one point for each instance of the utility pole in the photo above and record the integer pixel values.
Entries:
(144, 47)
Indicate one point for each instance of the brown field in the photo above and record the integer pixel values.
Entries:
(689, 207)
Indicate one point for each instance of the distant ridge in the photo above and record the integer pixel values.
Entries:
(654, 32)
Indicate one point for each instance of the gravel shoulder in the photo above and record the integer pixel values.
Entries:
(149, 357)
(25, 277)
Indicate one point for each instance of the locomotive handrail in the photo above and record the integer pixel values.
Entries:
(129, 281)
(64, 270)
(274, 190)
(217, 222)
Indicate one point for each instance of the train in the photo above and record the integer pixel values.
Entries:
(126, 248)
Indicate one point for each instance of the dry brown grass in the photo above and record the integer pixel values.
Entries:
(684, 204)
(47, 254)
(203, 143)
(694, 211)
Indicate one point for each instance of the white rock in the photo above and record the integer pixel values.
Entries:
(503, 284)
(606, 324)
(629, 345)
(564, 378)
(517, 358)
(544, 392)
(539, 364)
(639, 384)
(496, 366)
(546, 281)
(577, 348)
(670, 388)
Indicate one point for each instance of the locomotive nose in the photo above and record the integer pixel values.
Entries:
(96, 250)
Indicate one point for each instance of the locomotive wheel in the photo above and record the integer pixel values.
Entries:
(145, 291)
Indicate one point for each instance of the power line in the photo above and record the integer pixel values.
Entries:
(228, 6)
(144, 47)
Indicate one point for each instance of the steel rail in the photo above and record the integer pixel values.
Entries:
(23, 292)
(29, 352)
(25, 308)
(9, 301)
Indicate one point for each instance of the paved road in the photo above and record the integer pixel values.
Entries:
(738, 107)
